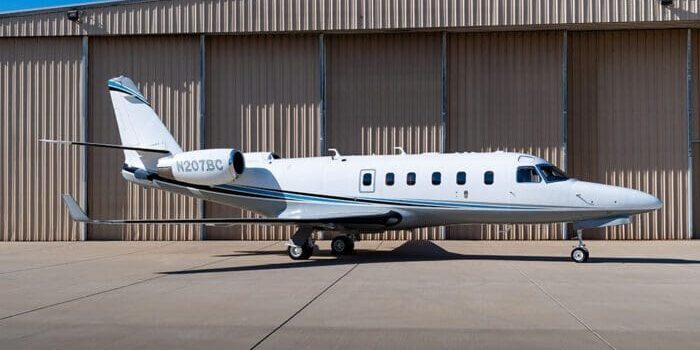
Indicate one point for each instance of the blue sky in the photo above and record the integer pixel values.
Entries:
(21, 5)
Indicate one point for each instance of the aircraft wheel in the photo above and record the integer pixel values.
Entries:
(342, 245)
(300, 253)
(579, 255)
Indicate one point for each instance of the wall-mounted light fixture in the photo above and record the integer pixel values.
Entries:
(73, 15)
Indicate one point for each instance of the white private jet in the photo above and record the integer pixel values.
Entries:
(349, 195)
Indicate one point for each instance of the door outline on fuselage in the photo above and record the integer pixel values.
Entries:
(370, 187)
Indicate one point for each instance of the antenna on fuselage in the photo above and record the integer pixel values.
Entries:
(335, 155)
(400, 149)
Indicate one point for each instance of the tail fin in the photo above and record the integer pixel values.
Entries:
(139, 126)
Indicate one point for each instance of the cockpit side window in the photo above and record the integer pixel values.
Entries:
(527, 174)
(550, 173)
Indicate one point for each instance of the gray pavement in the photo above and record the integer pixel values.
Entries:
(391, 295)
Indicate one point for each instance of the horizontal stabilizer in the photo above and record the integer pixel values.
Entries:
(387, 219)
(107, 145)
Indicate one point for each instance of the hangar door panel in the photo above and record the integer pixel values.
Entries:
(505, 94)
(262, 96)
(628, 122)
(383, 90)
(39, 98)
(695, 135)
(165, 69)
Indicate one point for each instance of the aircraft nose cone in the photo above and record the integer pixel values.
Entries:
(649, 202)
(641, 201)
(617, 199)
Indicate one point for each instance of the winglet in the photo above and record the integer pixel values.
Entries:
(76, 213)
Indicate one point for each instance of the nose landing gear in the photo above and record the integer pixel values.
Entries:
(580, 253)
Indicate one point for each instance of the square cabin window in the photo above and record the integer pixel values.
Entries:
(461, 178)
(389, 180)
(436, 178)
(527, 174)
(411, 179)
(367, 179)
(488, 177)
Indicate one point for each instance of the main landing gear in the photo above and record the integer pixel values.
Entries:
(343, 245)
(301, 246)
(580, 253)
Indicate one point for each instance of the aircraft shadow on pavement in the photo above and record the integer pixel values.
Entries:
(411, 251)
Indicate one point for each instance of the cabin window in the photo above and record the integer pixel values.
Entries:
(367, 179)
(461, 178)
(411, 179)
(436, 178)
(389, 179)
(527, 174)
(488, 177)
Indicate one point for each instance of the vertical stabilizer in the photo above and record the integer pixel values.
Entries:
(139, 125)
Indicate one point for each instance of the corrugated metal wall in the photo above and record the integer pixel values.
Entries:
(166, 71)
(505, 94)
(39, 98)
(627, 118)
(257, 16)
(627, 101)
(383, 90)
(695, 135)
(263, 94)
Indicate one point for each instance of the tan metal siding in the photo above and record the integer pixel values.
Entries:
(505, 94)
(695, 135)
(628, 122)
(263, 94)
(383, 90)
(39, 98)
(256, 16)
(166, 71)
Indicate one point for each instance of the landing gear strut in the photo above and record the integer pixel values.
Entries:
(301, 246)
(343, 245)
(580, 252)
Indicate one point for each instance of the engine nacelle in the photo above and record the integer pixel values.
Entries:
(204, 167)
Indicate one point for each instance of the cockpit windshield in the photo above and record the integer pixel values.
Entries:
(550, 173)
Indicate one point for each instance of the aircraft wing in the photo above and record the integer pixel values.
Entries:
(373, 220)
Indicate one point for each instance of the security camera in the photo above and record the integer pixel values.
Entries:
(666, 2)
(73, 15)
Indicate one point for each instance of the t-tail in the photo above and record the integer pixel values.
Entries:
(150, 151)
(140, 128)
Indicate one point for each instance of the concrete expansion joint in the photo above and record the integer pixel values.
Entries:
(303, 307)
(83, 297)
(561, 305)
(88, 259)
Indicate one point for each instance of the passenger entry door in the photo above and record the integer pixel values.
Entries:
(367, 180)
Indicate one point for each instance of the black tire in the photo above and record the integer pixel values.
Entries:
(300, 253)
(351, 247)
(342, 245)
(579, 255)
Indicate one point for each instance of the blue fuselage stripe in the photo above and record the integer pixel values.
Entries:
(284, 195)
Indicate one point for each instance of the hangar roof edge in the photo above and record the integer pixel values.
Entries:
(153, 17)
